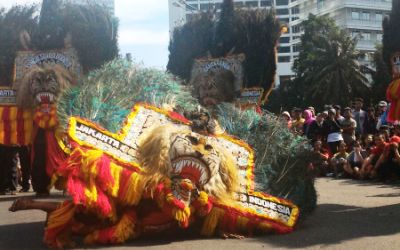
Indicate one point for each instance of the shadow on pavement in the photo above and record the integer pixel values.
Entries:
(22, 236)
(333, 224)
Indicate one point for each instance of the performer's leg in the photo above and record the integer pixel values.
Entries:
(29, 204)
(25, 168)
(40, 179)
(3, 179)
(13, 170)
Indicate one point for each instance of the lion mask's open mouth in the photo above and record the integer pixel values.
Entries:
(45, 97)
(191, 168)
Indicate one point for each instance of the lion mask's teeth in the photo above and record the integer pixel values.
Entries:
(45, 97)
(185, 165)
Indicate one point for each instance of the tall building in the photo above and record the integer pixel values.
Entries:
(109, 4)
(181, 11)
(362, 18)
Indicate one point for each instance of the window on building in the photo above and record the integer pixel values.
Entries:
(320, 3)
(284, 20)
(295, 18)
(366, 36)
(378, 17)
(282, 59)
(295, 10)
(283, 49)
(252, 4)
(284, 39)
(379, 37)
(205, 6)
(191, 7)
(265, 3)
(282, 2)
(295, 29)
(238, 4)
(296, 48)
(282, 11)
(355, 15)
(365, 15)
(355, 34)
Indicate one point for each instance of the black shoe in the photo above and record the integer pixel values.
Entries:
(24, 190)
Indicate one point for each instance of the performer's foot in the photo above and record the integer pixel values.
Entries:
(20, 204)
(231, 236)
(24, 190)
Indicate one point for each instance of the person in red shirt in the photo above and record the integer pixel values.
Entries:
(370, 162)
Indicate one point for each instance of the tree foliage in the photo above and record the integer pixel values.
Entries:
(327, 70)
(252, 32)
(391, 34)
(381, 77)
(12, 22)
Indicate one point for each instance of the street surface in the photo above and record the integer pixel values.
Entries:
(350, 215)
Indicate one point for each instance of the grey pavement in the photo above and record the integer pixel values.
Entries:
(350, 215)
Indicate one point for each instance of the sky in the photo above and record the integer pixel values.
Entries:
(143, 29)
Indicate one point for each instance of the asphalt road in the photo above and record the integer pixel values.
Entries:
(350, 215)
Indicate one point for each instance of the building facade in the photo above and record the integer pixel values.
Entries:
(361, 18)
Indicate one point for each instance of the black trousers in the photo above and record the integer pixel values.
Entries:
(25, 161)
(9, 161)
(40, 179)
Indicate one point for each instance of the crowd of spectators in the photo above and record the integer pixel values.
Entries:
(350, 142)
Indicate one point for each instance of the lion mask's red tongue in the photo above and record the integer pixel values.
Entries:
(45, 99)
(191, 173)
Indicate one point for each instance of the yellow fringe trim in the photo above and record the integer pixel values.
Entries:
(61, 215)
(134, 190)
(242, 222)
(211, 221)
(182, 216)
(116, 171)
(203, 198)
(125, 229)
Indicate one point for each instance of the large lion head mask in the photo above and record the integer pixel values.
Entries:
(191, 158)
(42, 85)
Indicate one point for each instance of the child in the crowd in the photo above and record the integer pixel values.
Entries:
(355, 160)
(320, 159)
(339, 160)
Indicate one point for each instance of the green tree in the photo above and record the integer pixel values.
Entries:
(381, 77)
(327, 70)
(94, 33)
(51, 31)
(12, 23)
(391, 34)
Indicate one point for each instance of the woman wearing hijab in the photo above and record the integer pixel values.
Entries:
(308, 119)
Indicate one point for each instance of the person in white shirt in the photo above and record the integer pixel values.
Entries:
(359, 115)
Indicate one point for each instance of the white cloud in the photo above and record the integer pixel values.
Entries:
(8, 3)
(140, 9)
(143, 36)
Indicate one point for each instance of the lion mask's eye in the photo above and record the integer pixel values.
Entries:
(208, 147)
(192, 139)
